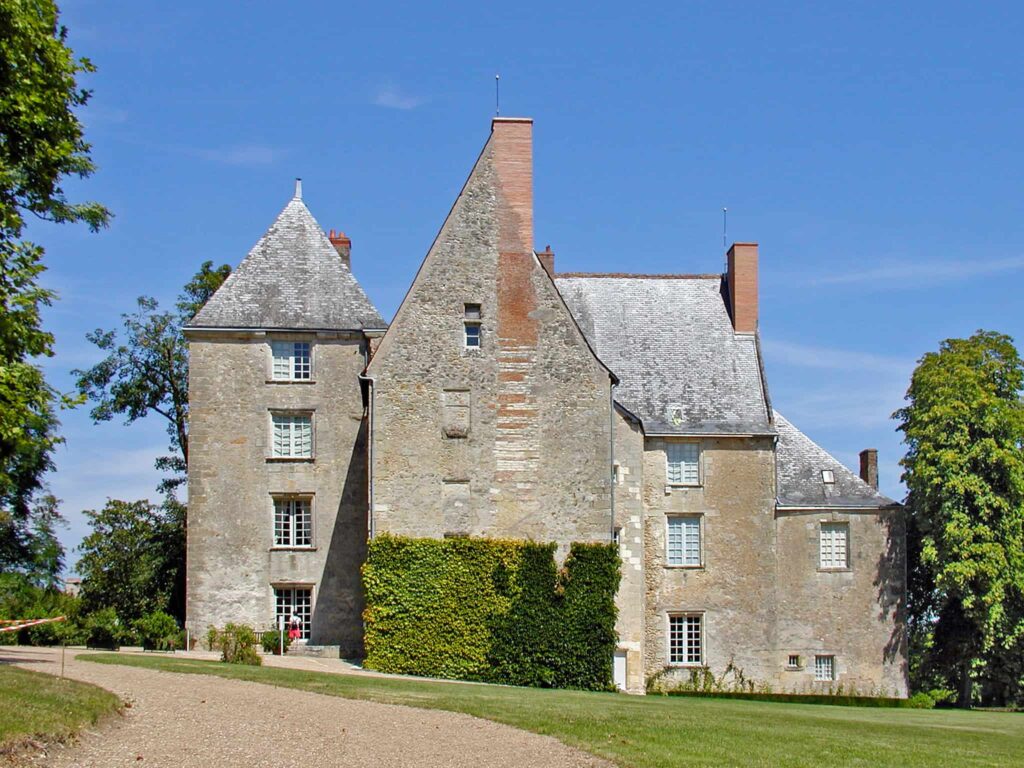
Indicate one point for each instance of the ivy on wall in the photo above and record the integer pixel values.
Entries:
(492, 610)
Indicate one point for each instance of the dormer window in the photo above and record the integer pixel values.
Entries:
(828, 477)
(471, 324)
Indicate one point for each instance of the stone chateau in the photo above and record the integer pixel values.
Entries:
(506, 399)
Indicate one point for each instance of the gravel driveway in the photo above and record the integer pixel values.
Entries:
(180, 721)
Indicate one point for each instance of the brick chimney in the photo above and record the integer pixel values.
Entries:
(869, 467)
(742, 280)
(343, 245)
(547, 260)
(512, 139)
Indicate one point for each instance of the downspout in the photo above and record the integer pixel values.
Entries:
(370, 457)
(611, 454)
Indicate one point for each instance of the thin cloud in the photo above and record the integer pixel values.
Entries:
(393, 97)
(833, 359)
(909, 274)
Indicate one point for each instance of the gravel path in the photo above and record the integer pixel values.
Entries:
(179, 721)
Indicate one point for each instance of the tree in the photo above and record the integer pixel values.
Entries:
(146, 370)
(964, 470)
(41, 144)
(133, 559)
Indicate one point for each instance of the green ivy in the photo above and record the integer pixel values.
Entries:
(493, 610)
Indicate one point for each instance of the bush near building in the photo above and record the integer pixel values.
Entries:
(491, 610)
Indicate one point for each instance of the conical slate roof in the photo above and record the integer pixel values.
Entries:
(291, 279)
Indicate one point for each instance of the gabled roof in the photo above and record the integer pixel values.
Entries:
(800, 462)
(669, 339)
(291, 279)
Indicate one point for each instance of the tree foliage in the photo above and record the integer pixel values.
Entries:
(964, 470)
(133, 559)
(41, 144)
(146, 367)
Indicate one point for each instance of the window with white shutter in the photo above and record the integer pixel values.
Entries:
(683, 463)
(292, 360)
(292, 436)
(683, 541)
(833, 546)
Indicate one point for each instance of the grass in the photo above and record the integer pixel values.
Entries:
(38, 706)
(669, 731)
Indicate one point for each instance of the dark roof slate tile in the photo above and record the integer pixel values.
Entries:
(291, 279)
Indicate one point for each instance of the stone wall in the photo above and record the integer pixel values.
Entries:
(629, 520)
(510, 439)
(232, 563)
(734, 588)
(760, 589)
(857, 614)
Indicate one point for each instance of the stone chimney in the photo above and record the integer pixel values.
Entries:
(547, 260)
(742, 280)
(869, 467)
(512, 140)
(343, 246)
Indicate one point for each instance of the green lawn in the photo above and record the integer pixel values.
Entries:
(663, 731)
(43, 706)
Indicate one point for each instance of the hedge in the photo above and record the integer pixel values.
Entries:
(839, 700)
(491, 610)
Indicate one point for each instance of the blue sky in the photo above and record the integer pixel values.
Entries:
(873, 150)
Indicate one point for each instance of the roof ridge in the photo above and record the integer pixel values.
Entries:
(635, 275)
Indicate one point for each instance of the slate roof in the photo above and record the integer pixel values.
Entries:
(291, 279)
(670, 340)
(799, 464)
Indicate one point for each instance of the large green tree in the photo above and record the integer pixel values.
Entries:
(146, 367)
(964, 469)
(132, 560)
(41, 144)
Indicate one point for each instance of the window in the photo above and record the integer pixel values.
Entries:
(292, 436)
(685, 639)
(683, 463)
(824, 667)
(794, 662)
(828, 477)
(472, 326)
(293, 601)
(292, 361)
(293, 522)
(833, 545)
(683, 541)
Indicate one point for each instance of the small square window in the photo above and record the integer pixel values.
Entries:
(686, 639)
(683, 461)
(825, 668)
(292, 360)
(828, 477)
(473, 312)
(794, 662)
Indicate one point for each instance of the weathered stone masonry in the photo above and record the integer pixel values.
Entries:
(508, 400)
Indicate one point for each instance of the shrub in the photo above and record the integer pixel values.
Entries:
(103, 629)
(157, 631)
(272, 641)
(494, 610)
(237, 644)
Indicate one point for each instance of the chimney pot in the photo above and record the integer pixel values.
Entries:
(869, 467)
(547, 260)
(343, 245)
(742, 281)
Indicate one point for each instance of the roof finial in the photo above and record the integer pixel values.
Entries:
(298, 188)
(497, 96)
